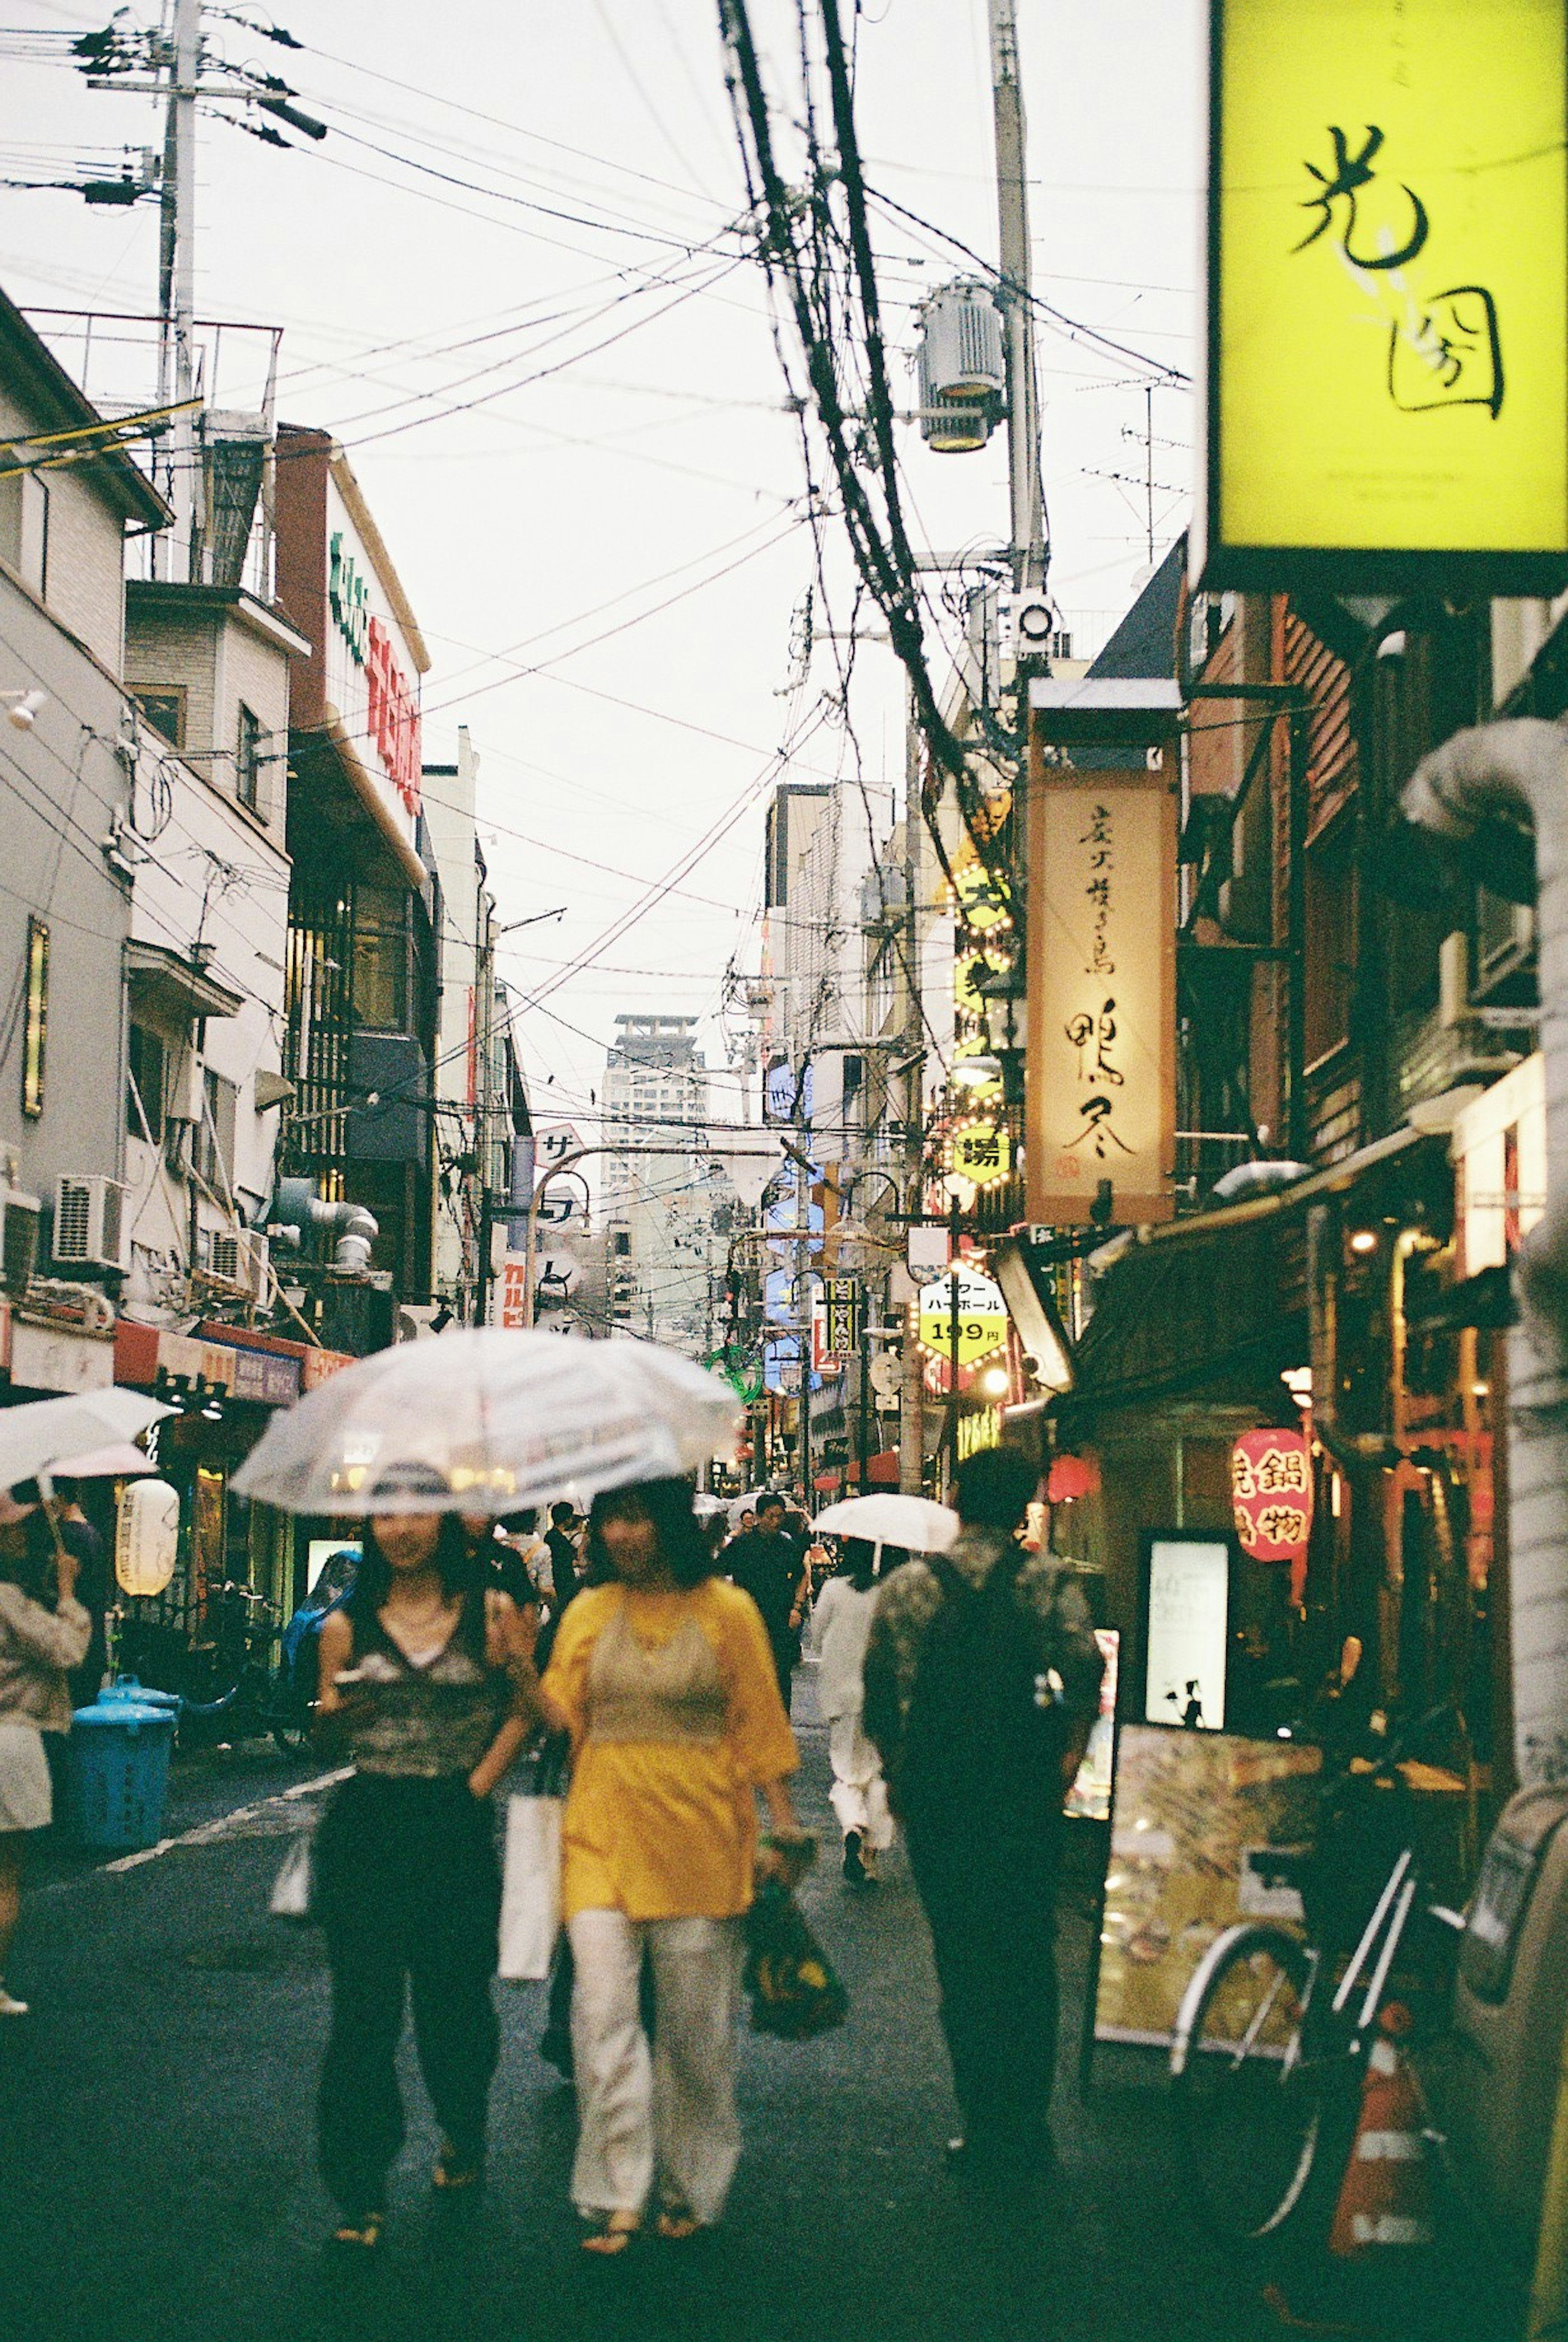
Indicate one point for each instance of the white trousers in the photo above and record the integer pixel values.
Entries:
(669, 2113)
(859, 1793)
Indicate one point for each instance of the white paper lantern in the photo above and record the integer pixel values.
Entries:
(146, 1536)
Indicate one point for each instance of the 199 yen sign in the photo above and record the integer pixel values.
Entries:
(982, 1316)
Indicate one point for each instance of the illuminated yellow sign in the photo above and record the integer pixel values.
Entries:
(1388, 328)
(982, 903)
(981, 1151)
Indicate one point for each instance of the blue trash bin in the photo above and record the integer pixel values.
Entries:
(118, 1770)
(142, 1695)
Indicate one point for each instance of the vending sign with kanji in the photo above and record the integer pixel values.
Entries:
(841, 1299)
(1271, 1487)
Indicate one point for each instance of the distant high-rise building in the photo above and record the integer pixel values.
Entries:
(661, 1196)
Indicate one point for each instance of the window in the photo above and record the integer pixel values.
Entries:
(1331, 929)
(213, 1150)
(25, 529)
(163, 705)
(34, 1039)
(381, 947)
(145, 1085)
(248, 758)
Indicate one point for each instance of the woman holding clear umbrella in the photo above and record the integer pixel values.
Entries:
(419, 1678)
(665, 1681)
(840, 1623)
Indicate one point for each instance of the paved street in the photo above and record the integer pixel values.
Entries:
(156, 2179)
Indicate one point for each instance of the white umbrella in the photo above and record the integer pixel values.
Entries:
(887, 1518)
(488, 1421)
(34, 1438)
(119, 1461)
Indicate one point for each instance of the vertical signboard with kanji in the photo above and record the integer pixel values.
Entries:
(1101, 1098)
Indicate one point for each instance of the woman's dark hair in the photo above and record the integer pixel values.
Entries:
(454, 1558)
(668, 1505)
(859, 1563)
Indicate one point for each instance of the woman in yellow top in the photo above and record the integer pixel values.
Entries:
(663, 1678)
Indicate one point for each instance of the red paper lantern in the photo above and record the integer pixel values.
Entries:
(1271, 1488)
(1072, 1477)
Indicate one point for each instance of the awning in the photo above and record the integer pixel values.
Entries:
(175, 989)
(1217, 1303)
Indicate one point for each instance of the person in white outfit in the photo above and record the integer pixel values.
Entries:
(840, 1623)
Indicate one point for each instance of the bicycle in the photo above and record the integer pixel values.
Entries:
(1274, 2030)
(227, 1688)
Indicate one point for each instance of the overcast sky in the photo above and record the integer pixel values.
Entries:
(505, 283)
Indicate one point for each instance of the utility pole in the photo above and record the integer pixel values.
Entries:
(1030, 551)
(911, 1394)
(177, 285)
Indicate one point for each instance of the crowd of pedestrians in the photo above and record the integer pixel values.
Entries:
(660, 1652)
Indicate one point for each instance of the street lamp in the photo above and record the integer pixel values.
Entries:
(531, 921)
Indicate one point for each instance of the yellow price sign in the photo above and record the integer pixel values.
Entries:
(982, 1316)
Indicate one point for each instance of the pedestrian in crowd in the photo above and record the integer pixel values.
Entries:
(770, 1565)
(841, 1622)
(85, 1542)
(561, 1536)
(747, 1522)
(44, 1635)
(417, 1678)
(498, 1563)
(981, 1680)
(521, 1533)
(663, 1678)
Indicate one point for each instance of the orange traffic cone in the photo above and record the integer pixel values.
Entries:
(1385, 2197)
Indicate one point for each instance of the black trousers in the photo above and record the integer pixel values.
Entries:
(991, 1902)
(407, 1889)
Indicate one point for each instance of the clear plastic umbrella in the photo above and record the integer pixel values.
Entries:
(887, 1518)
(35, 1437)
(488, 1421)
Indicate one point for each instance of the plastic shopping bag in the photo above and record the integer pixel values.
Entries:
(792, 1984)
(294, 1888)
(530, 1888)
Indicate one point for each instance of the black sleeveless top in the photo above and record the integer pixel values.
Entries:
(431, 1721)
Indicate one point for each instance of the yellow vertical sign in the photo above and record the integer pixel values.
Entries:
(1388, 286)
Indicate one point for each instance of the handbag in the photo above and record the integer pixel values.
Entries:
(531, 1876)
(294, 1889)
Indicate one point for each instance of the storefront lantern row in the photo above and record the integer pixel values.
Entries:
(1272, 1490)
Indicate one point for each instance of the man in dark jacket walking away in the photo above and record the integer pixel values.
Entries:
(982, 1679)
(770, 1565)
(562, 1547)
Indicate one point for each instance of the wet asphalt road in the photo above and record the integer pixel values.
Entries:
(158, 2184)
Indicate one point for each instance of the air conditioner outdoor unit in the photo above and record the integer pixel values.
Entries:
(90, 1221)
(240, 1258)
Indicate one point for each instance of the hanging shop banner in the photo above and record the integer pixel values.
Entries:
(982, 1316)
(1388, 296)
(1271, 1488)
(1101, 1102)
(1194, 1815)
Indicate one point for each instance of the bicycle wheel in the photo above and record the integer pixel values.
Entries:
(1249, 2099)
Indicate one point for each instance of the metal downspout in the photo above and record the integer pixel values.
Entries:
(1518, 772)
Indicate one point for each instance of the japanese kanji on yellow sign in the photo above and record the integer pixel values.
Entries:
(981, 901)
(981, 1151)
(982, 1316)
(1388, 293)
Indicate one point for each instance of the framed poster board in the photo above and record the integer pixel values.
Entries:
(1190, 1814)
(1187, 1577)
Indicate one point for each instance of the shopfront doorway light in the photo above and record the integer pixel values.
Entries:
(1364, 1240)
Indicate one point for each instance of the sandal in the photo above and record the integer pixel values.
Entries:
(678, 2224)
(456, 2175)
(361, 2235)
(608, 2234)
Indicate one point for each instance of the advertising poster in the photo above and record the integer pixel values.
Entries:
(1189, 1582)
(1189, 1812)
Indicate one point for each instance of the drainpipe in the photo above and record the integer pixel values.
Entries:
(355, 1228)
(1518, 772)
